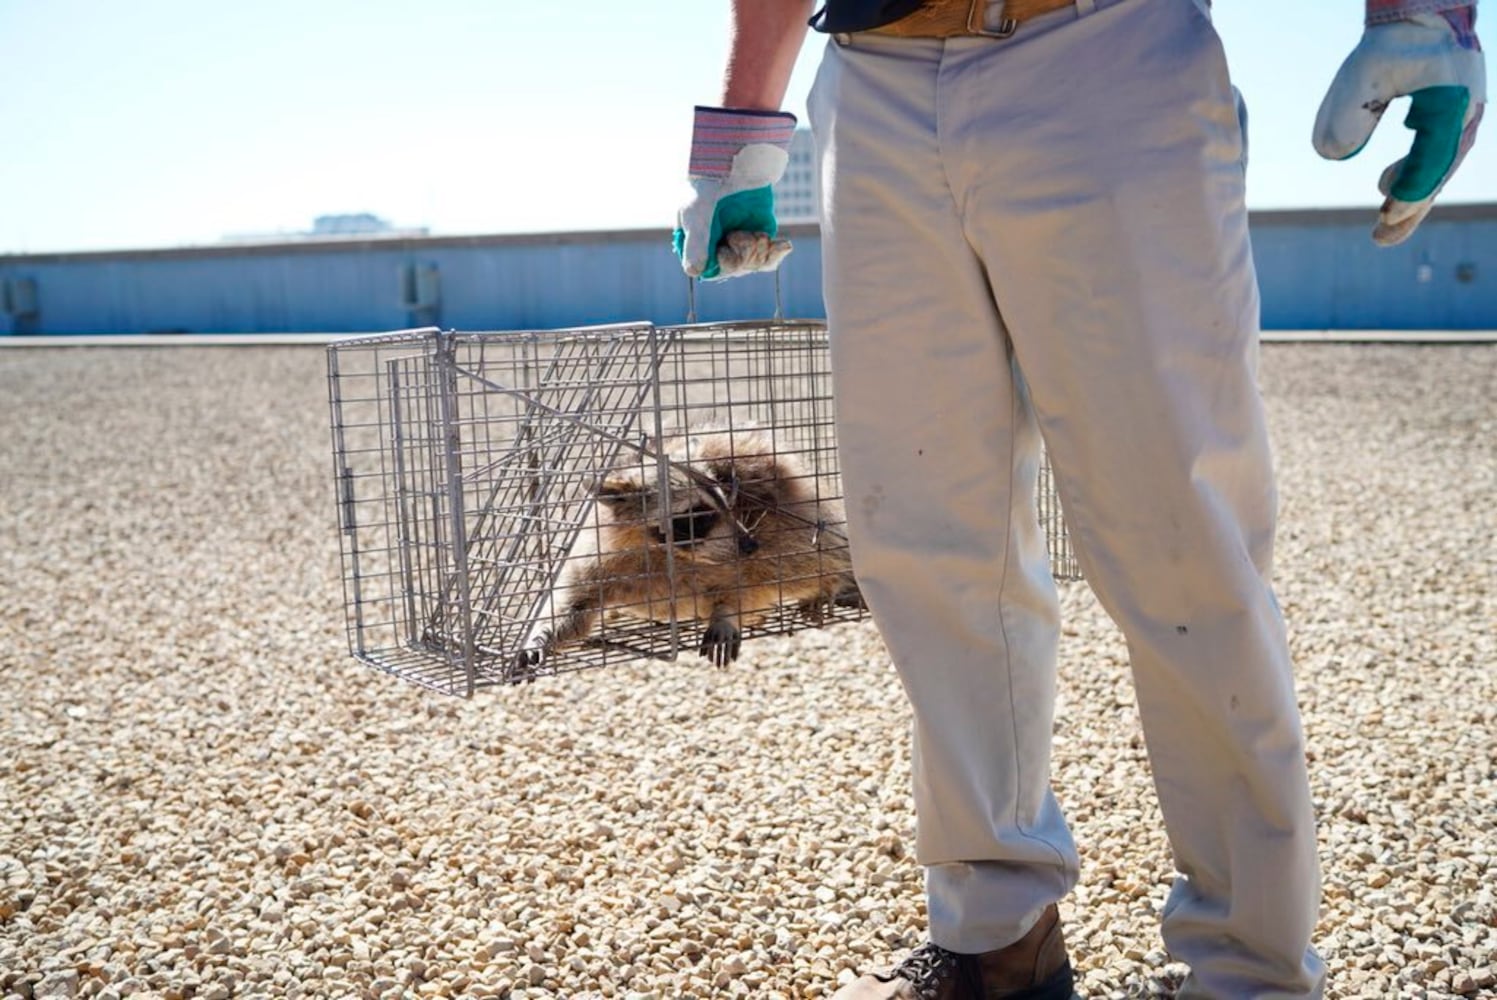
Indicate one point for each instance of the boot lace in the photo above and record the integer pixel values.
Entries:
(927, 967)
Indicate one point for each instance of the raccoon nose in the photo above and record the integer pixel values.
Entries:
(747, 545)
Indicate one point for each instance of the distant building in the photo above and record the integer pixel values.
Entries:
(363, 225)
(797, 196)
(358, 224)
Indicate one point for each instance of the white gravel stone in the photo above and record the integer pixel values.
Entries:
(56, 986)
(209, 797)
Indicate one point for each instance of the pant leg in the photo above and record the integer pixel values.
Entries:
(939, 455)
(1101, 173)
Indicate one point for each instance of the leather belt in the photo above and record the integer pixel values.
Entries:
(950, 18)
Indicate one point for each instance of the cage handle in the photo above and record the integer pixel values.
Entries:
(691, 299)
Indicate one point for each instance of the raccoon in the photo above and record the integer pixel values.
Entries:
(746, 533)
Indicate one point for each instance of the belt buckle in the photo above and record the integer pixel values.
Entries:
(975, 26)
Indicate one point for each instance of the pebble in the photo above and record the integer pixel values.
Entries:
(220, 801)
(56, 986)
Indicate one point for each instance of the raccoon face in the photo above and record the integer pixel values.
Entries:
(691, 527)
(693, 522)
(706, 503)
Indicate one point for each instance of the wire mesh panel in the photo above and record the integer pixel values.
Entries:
(1063, 564)
(532, 502)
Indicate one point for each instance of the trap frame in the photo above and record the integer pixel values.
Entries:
(467, 464)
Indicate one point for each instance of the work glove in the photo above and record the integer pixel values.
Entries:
(727, 227)
(1436, 60)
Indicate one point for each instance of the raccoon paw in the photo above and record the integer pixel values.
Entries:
(850, 596)
(814, 611)
(721, 643)
(523, 667)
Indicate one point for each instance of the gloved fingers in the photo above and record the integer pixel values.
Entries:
(738, 221)
(1438, 117)
(743, 252)
(1352, 107)
(1392, 174)
(1389, 175)
(693, 237)
(1401, 214)
(1397, 220)
(1343, 128)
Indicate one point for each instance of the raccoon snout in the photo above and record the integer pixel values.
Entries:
(747, 545)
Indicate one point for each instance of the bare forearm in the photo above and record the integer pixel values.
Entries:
(767, 36)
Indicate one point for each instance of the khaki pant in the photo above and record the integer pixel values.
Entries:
(1046, 235)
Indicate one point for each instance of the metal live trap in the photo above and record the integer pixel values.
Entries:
(525, 503)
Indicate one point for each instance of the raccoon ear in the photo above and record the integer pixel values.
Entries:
(619, 491)
(748, 471)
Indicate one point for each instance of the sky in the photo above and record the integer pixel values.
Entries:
(158, 123)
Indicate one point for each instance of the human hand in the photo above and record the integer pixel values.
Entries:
(1434, 59)
(727, 227)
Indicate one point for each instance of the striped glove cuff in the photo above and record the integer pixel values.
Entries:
(718, 134)
(1460, 13)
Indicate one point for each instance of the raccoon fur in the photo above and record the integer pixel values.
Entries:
(746, 533)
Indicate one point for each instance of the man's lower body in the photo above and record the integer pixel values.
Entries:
(1046, 234)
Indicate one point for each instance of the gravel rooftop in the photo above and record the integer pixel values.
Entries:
(203, 795)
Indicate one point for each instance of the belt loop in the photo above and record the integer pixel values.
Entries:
(1085, 7)
(977, 20)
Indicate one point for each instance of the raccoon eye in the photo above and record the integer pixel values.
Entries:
(693, 526)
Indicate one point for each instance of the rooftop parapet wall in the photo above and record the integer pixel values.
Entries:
(1318, 270)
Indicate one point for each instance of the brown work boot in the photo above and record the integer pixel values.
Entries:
(1035, 967)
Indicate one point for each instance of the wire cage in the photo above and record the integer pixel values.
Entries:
(525, 503)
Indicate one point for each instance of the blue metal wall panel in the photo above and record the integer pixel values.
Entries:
(518, 288)
(1332, 277)
(1318, 270)
(522, 285)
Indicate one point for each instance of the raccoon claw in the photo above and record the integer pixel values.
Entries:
(523, 666)
(814, 612)
(850, 596)
(721, 643)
